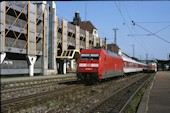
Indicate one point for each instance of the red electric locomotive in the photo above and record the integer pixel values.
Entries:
(98, 64)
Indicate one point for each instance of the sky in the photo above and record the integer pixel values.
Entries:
(149, 32)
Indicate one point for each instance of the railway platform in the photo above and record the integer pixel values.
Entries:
(14, 79)
(156, 98)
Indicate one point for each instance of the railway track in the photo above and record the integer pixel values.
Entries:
(71, 98)
(12, 85)
(16, 103)
(118, 101)
(18, 89)
(93, 95)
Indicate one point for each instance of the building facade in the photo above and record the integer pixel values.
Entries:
(33, 40)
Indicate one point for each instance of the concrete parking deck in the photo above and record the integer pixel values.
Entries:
(157, 96)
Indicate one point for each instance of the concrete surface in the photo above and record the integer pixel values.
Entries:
(11, 79)
(157, 95)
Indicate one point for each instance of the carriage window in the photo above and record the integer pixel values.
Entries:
(89, 56)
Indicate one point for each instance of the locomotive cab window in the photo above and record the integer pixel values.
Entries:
(94, 57)
(89, 56)
(84, 56)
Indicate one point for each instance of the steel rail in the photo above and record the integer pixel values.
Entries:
(8, 103)
(24, 83)
(107, 98)
(123, 108)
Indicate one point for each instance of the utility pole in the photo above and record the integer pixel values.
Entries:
(115, 35)
(133, 50)
(140, 57)
(146, 58)
(105, 43)
(168, 56)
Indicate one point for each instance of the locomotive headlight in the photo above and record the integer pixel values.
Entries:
(81, 68)
(95, 69)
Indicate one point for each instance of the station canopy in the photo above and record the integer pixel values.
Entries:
(69, 54)
(163, 61)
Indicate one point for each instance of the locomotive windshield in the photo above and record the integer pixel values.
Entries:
(89, 57)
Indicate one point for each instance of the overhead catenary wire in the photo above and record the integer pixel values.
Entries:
(139, 35)
(127, 11)
(131, 20)
(162, 29)
(159, 22)
(133, 35)
(150, 32)
(144, 47)
(145, 50)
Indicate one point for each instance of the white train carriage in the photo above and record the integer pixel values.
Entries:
(131, 65)
(152, 67)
